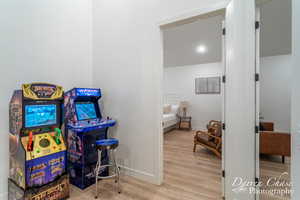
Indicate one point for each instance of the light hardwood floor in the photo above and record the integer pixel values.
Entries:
(271, 168)
(187, 176)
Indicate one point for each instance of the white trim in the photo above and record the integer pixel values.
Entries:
(257, 98)
(160, 136)
(139, 174)
(4, 195)
(179, 17)
(295, 127)
(194, 13)
(261, 2)
(240, 112)
(223, 102)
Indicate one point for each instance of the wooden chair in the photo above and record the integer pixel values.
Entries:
(210, 139)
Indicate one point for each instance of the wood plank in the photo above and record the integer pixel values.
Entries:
(187, 175)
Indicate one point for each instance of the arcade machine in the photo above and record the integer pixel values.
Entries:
(37, 148)
(84, 126)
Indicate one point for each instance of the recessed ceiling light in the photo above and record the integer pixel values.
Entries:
(201, 49)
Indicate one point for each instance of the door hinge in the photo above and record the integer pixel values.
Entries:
(224, 79)
(256, 77)
(223, 173)
(256, 181)
(223, 126)
(257, 25)
(223, 31)
(256, 129)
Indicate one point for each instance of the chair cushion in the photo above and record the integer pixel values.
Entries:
(275, 143)
(205, 139)
(215, 128)
(218, 131)
(107, 142)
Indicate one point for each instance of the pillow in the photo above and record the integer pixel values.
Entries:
(174, 109)
(167, 109)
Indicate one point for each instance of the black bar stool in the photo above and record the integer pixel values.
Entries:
(110, 145)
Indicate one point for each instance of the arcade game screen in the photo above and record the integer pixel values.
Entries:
(40, 115)
(85, 111)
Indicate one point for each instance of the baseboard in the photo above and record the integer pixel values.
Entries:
(4, 195)
(144, 176)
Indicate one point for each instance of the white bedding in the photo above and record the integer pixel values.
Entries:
(170, 119)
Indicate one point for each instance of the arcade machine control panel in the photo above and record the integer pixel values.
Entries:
(92, 124)
(43, 144)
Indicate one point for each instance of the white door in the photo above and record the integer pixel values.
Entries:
(240, 115)
(223, 104)
(257, 92)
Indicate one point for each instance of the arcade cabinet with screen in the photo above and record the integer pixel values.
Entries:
(37, 149)
(84, 126)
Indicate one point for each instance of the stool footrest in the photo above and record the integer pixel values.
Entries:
(108, 165)
(107, 177)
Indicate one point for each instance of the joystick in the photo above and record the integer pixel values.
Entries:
(57, 135)
(30, 142)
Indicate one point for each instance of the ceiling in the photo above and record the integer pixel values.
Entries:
(180, 42)
(182, 39)
(276, 31)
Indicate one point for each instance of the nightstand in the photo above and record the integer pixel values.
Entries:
(185, 123)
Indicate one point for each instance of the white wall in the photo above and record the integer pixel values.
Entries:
(275, 91)
(275, 32)
(295, 101)
(47, 41)
(128, 66)
(181, 81)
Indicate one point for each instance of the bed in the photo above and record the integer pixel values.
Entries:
(170, 119)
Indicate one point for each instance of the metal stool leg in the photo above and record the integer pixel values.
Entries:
(114, 164)
(97, 171)
(117, 170)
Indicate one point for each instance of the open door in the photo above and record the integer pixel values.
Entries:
(240, 98)
(273, 65)
(223, 105)
(257, 96)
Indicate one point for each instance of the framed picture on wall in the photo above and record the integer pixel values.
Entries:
(208, 85)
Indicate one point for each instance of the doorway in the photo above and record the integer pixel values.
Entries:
(193, 96)
(274, 66)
